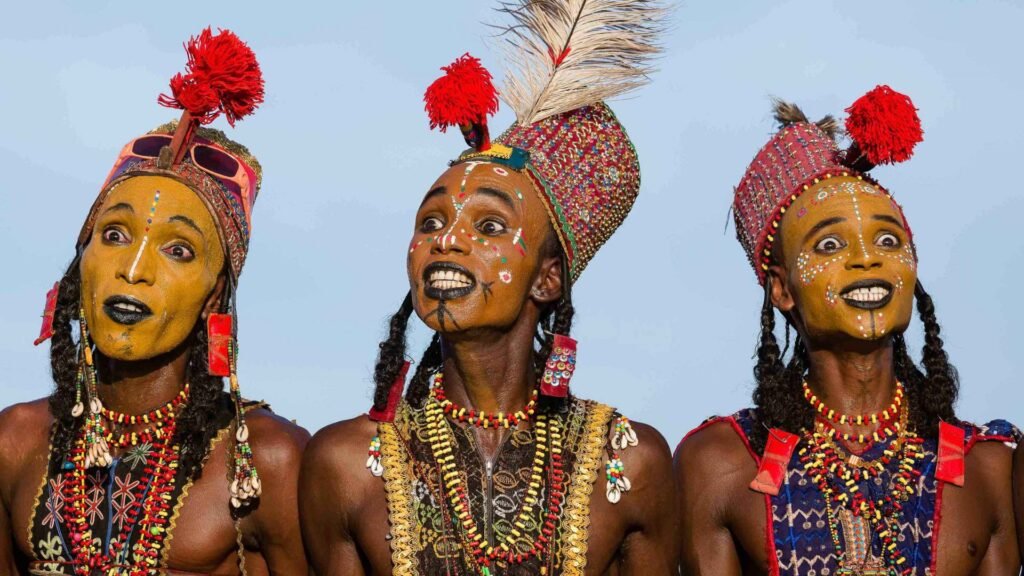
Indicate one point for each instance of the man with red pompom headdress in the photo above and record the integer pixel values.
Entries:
(489, 465)
(852, 460)
(140, 462)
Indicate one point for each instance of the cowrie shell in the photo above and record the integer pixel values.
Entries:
(77, 410)
(242, 434)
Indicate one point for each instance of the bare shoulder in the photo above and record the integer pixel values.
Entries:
(276, 441)
(340, 450)
(991, 461)
(712, 450)
(651, 451)
(333, 468)
(23, 428)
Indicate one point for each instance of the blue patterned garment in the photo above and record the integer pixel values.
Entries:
(800, 524)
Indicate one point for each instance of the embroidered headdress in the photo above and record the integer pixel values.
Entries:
(222, 77)
(567, 58)
(884, 128)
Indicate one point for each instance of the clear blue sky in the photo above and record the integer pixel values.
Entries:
(668, 311)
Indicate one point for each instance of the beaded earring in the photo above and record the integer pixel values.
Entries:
(559, 367)
(97, 451)
(222, 359)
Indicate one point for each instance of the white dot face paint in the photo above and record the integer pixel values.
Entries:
(849, 259)
(505, 276)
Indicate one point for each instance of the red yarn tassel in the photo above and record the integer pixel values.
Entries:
(222, 77)
(394, 397)
(46, 331)
(464, 97)
(884, 126)
(218, 334)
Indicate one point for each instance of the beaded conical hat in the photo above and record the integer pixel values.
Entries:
(569, 57)
(884, 129)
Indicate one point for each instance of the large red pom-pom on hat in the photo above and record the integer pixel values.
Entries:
(884, 126)
(465, 96)
(222, 77)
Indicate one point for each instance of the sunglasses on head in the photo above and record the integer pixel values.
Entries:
(208, 158)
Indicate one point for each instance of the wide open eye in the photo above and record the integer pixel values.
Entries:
(181, 252)
(492, 227)
(887, 240)
(114, 235)
(431, 224)
(828, 245)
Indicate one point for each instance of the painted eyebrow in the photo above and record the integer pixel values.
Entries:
(120, 206)
(887, 218)
(494, 192)
(440, 190)
(188, 222)
(823, 224)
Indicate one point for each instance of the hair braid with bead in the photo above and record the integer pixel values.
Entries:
(556, 319)
(778, 396)
(197, 421)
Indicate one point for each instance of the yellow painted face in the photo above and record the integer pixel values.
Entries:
(848, 263)
(476, 250)
(149, 269)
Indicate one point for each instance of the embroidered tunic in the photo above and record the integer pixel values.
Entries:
(110, 493)
(800, 543)
(425, 538)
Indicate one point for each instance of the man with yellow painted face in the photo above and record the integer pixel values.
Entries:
(853, 460)
(124, 468)
(489, 466)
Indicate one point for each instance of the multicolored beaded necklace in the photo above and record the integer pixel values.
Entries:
(888, 417)
(158, 417)
(148, 513)
(837, 475)
(471, 417)
(547, 461)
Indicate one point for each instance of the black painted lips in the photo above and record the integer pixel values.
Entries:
(450, 293)
(864, 305)
(126, 317)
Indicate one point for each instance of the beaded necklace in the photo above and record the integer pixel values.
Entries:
(837, 476)
(547, 461)
(159, 417)
(890, 425)
(148, 513)
(840, 418)
(471, 417)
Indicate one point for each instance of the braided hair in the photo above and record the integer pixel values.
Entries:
(555, 319)
(931, 393)
(197, 421)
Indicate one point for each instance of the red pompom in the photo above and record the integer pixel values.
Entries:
(463, 96)
(884, 125)
(222, 76)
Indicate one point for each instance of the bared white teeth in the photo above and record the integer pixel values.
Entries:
(873, 294)
(449, 279)
(126, 307)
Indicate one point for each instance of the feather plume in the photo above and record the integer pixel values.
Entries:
(787, 113)
(566, 54)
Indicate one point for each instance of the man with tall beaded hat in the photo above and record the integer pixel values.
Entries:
(852, 461)
(489, 465)
(140, 463)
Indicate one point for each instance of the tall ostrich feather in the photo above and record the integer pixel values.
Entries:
(566, 54)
